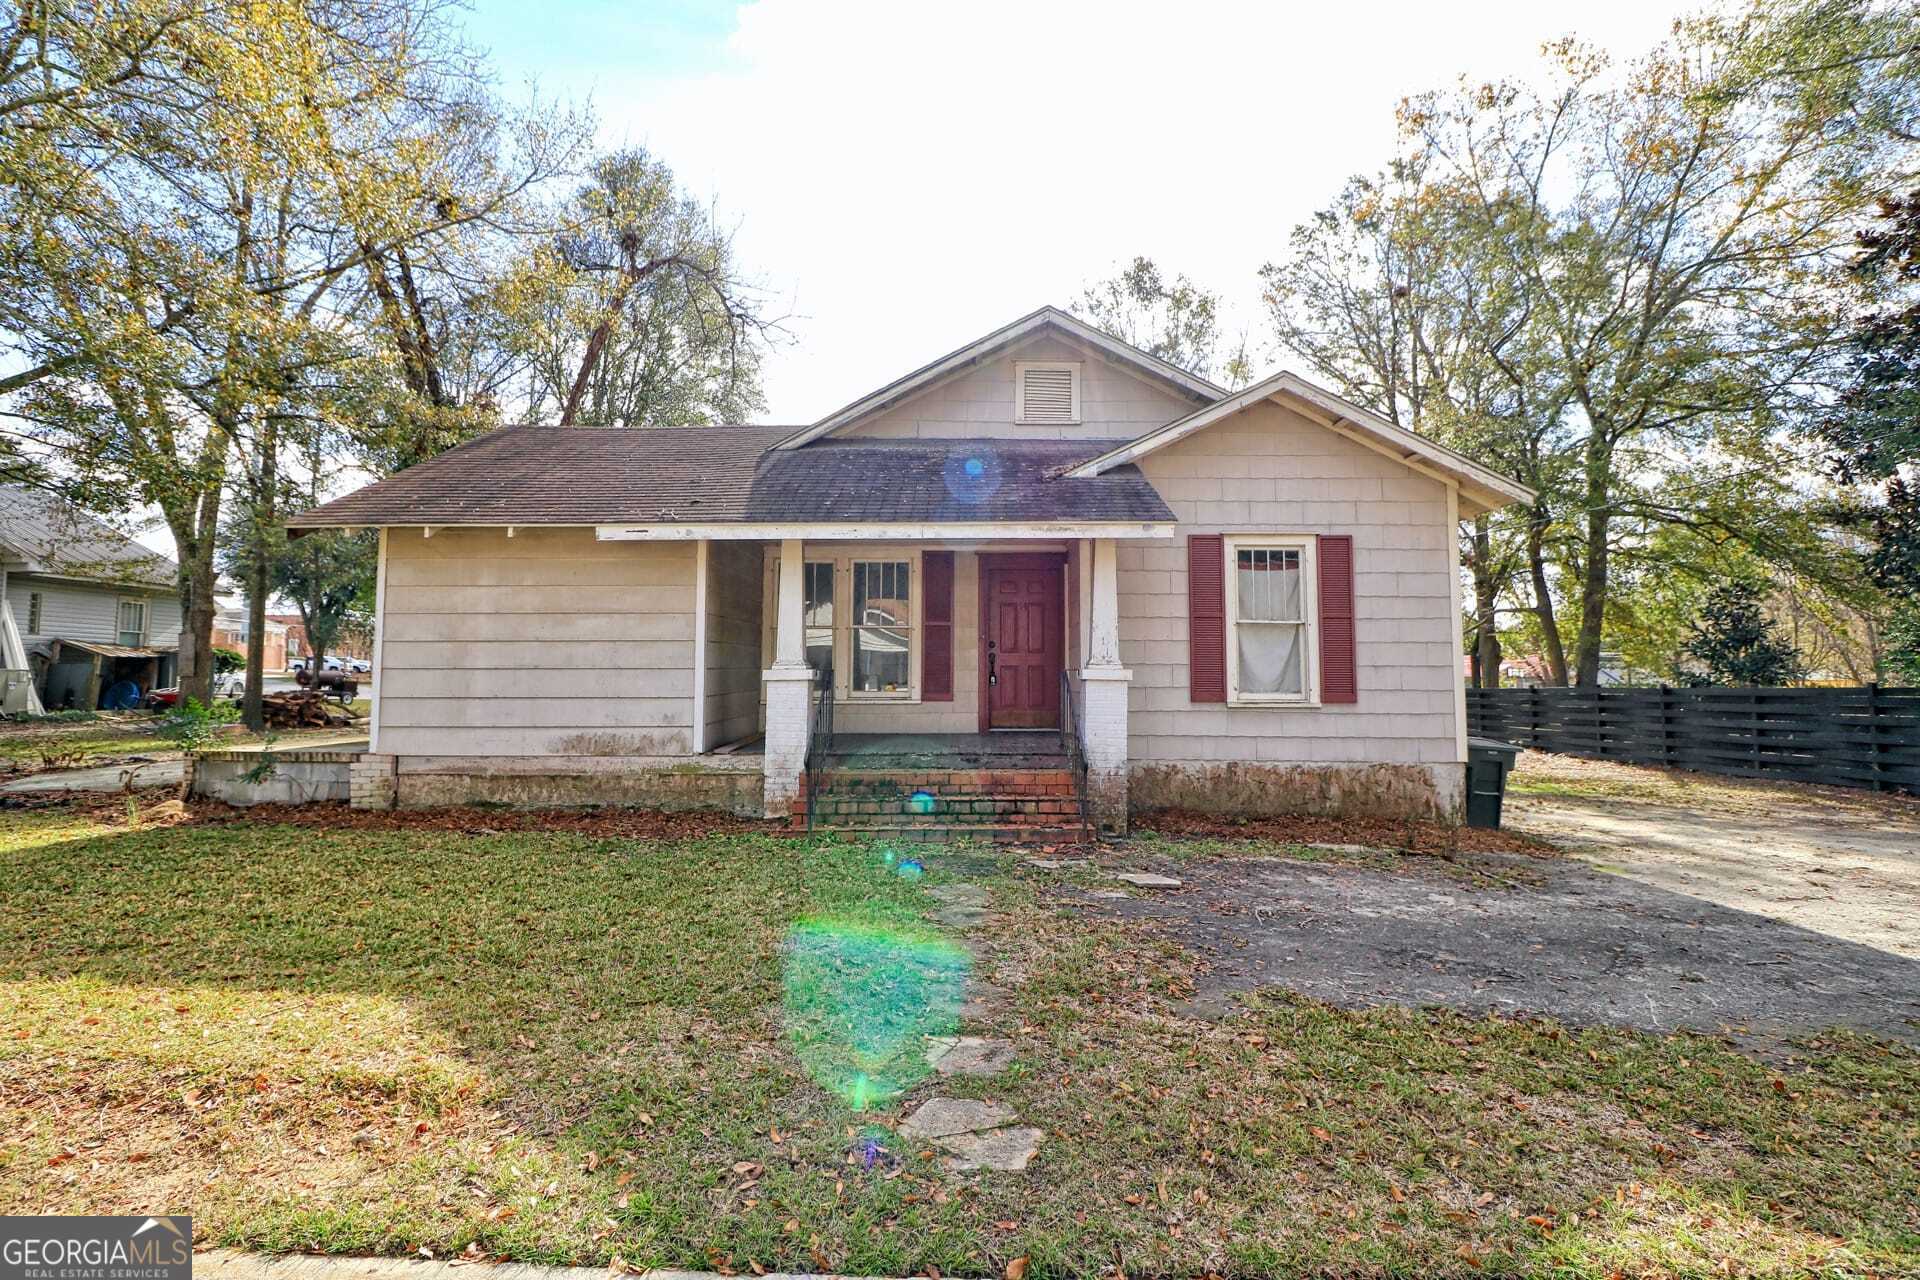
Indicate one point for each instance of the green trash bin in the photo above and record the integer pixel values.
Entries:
(1488, 763)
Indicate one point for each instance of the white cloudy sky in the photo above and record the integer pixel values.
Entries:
(907, 176)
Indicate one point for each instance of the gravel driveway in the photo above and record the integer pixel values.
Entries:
(1688, 903)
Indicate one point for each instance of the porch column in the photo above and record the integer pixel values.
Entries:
(789, 709)
(1103, 682)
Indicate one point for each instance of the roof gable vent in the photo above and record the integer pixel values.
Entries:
(1046, 393)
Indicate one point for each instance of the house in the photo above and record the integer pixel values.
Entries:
(1045, 563)
(86, 610)
(349, 644)
(230, 632)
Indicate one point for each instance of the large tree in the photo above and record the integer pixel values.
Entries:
(1641, 255)
(637, 314)
(193, 192)
(1170, 317)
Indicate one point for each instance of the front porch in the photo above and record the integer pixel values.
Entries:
(945, 679)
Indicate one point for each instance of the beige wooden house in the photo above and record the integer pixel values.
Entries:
(1044, 572)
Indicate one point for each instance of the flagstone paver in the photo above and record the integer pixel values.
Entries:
(944, 1117)
(970, 1056)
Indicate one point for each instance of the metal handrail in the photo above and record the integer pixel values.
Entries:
(819, 741)
(1076, 752)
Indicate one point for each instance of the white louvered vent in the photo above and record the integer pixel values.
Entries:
(1047, 393)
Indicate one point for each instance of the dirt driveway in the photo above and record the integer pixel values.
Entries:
(1693, 903)
(1841, 863)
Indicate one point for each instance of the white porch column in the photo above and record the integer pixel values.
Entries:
(1103, 683)
(789, 709)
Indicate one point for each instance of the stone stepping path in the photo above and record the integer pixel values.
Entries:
(969, 1055)
(973, 1135)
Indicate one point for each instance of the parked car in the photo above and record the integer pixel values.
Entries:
(230, 685)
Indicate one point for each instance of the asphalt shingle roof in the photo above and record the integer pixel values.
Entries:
(726, 475)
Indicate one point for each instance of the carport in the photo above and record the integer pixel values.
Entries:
(80, 672)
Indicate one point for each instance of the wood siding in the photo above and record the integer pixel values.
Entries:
(76, 611)
(548, 643)
(1114, 404)
(1267, 470)
(733, 641)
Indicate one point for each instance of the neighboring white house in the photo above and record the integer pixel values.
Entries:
(1046, 555)
(82, 607)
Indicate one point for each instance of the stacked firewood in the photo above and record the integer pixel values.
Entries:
(302, 709)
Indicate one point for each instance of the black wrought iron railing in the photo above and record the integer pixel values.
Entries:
(819, 741)
(1076, 752)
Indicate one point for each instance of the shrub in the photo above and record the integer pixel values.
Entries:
(193, 725)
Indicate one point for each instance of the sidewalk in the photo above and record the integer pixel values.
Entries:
(232, 1264)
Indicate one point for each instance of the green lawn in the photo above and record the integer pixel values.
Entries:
(553, 1046)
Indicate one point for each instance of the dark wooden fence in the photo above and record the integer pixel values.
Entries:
(1866, 737)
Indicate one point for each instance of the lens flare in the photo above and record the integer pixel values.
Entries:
(861, 1002)
(910, 869)
(922, 802)
(972, 476)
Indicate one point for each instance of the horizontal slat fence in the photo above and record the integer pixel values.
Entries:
(1865, 737)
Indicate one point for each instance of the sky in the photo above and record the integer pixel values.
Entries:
(903, 177)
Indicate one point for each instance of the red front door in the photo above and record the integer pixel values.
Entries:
(1025, 642)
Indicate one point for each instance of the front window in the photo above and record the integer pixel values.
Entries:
(882, 627)
(133, 623)
(1270, 596)
(816, 611)
(857, 616)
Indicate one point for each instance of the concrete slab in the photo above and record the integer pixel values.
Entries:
(158, 773)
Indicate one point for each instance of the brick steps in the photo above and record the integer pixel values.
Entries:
(947, 804)
(996, 833)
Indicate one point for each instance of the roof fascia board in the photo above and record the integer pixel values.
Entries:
(1479, 484)
(900, 390)
(925, 531)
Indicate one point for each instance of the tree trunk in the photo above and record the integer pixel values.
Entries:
(194, 531)
(1593, 585)
(1537, 525)
(1486, 592)
(251, 712)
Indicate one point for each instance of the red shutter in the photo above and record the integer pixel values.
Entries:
(1339, 677)
(1206, 618)
(936, 669)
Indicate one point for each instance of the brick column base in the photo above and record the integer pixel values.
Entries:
(1104, 715)
(789, 720)
(371, 783)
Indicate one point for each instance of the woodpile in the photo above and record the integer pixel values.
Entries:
(302, 709)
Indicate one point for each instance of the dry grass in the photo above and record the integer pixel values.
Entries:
(567, 1046)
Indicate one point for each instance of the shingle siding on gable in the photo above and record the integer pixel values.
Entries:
(980, 402)
(1269, 470)
(548, 643)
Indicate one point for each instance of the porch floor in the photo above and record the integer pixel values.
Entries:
(1014, 749)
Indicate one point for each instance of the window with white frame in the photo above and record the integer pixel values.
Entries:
(132, 624)
(882, 628)
(1046, 392)
(1270, 613)
(859, 617)
(33, 613)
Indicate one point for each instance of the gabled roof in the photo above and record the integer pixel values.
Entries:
(711, 476)
(1192, 386)
(1481, 488)
(54, 538)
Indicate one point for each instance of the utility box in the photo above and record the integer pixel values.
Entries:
(1488, 764)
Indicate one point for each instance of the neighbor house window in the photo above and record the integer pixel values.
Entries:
(882, 627)
(133, 623)
(1270, 603)
(33, 614)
